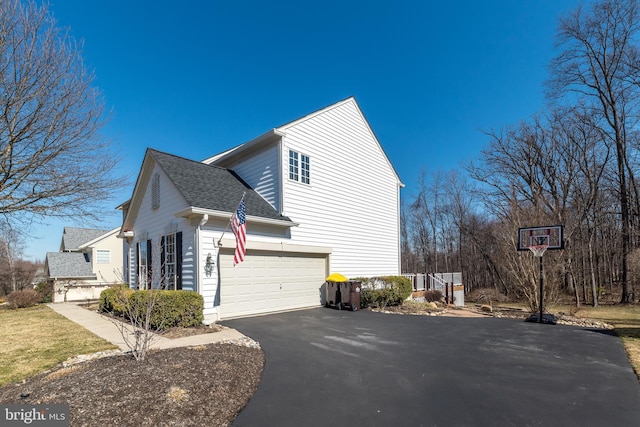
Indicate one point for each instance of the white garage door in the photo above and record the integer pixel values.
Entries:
(268, 282)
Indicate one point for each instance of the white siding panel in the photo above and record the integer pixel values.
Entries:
(208, 285)
(154, 223)
(261, 172)
(188, 260)
(352, 202)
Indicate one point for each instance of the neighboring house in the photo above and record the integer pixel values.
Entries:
(89, 261)
(321, 197)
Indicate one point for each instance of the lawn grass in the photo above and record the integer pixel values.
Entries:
(37, 338)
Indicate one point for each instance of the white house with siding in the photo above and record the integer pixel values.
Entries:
(321, 196)
(88, 262)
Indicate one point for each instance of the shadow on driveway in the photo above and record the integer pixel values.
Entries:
(328, 367)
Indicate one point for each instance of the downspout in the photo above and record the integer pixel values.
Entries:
(281, 177)
(399, 216)
(196, 250)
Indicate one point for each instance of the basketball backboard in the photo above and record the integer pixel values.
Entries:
(537, 236)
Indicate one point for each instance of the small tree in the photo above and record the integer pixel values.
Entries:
(137, 329)
(142, 318)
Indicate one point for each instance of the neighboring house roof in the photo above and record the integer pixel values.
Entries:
(73, 238)
(213, 188)
(69, 265)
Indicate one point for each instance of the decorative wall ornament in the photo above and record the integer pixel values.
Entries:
(208, 266)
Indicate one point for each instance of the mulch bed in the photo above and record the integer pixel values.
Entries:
(188, 386)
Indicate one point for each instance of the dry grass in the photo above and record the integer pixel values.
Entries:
(35, 339)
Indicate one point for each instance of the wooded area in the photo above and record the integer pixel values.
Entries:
(574, 164)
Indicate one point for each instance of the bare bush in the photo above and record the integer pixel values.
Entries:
(24, 298)
(136, 327)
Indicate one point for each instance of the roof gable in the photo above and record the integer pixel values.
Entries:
(69, 265)
(212, 187)
(74, 238)
(202, 186)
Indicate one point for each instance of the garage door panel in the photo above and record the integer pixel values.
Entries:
(268, 282)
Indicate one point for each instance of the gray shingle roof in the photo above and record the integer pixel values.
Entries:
(73, 238)
(69, 265)
(212, 187)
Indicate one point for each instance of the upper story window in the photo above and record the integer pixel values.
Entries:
(299, 167)
(304, 169)
(103, 256)
(293, 165)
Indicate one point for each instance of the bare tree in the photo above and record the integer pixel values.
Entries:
(138, 327)
(15, 274)
(53, 162)
(138, 315)
(596, 66)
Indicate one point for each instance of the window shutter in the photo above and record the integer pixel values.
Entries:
(179, 260)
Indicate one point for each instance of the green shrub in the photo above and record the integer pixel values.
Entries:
(169, 308)
(45, 289)
(384, 291)
(23, 298)
(114, 300)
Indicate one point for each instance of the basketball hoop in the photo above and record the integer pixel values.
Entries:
(538, 250)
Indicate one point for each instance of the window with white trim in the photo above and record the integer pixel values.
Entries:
(144, 264)
(293, 165)
(103, 256)
(299, 167)
(171, 261)
(304, 169)
(168, 261)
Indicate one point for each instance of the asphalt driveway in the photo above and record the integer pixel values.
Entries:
(335, 368)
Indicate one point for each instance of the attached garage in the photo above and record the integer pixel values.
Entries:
(268, 282)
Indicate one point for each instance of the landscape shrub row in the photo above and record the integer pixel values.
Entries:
(380, 292)
(168, 308)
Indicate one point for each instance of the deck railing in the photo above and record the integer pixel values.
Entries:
(450, 284)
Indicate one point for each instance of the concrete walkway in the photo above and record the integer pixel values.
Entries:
(103, 327)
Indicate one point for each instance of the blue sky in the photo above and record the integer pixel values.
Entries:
(194, 78)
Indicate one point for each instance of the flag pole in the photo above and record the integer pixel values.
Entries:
(231, 219)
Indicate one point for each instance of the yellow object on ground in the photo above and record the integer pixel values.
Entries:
(336, 277)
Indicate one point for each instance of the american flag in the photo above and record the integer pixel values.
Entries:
(239, 227)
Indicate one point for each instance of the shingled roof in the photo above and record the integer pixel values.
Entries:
(69, 265)
(211, 187)
(73, 238)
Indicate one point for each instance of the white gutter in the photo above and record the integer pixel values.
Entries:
(191, 211)
(267, 136)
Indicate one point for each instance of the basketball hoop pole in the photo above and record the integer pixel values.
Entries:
(538, 240)
(541, 289)
(538, 251)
